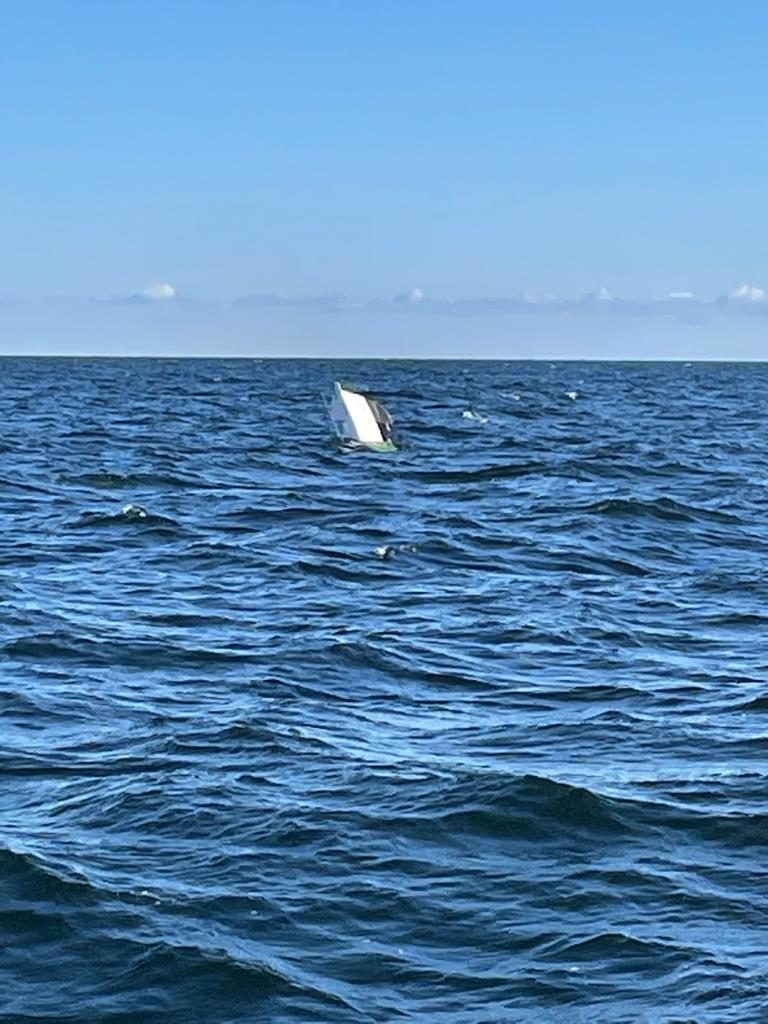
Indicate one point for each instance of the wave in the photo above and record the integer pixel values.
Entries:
(143, 971)
(129, 515)
(532, 807)
(667, 509)
(113, 480)
(500, 471)
(626, 953)
(62, 647)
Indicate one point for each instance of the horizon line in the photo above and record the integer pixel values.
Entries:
(93, 357)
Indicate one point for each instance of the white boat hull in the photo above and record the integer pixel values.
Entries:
(354, 420)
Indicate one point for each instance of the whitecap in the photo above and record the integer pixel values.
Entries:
(388, 550)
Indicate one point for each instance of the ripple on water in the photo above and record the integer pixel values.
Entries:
(472, 732)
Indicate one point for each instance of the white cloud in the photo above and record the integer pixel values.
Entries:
(748, 293)
(681, 295)
(601, 295)
(415, 295)
(159, 292)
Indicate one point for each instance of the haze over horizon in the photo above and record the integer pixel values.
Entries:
(492, 166)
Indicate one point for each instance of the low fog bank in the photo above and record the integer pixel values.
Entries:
(74, 327)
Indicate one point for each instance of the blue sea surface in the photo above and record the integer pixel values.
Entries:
(472, 732)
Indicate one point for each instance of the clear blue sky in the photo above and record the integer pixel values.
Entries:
(468, 148)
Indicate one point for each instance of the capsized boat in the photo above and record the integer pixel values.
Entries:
(360, 420)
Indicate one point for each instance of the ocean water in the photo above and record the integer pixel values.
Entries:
(474, 732)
